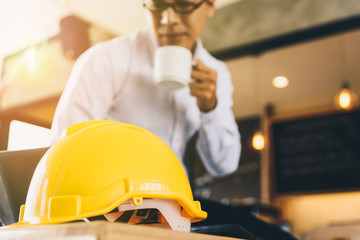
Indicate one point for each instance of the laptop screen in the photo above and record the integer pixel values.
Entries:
(16, 170)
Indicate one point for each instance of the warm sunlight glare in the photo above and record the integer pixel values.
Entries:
(30, 58)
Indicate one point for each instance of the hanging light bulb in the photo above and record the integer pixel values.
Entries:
(345, 98)
(280, 82)
(258, 141)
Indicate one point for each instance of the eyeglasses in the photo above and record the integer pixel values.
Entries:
(181, 7)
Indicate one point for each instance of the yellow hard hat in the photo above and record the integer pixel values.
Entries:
(100, 165)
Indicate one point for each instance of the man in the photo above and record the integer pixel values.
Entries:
(113, 81)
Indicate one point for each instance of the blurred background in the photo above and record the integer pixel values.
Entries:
(289, 62)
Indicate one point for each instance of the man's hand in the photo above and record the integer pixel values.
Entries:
(204, 86)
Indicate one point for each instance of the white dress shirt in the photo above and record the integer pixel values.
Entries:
(114, 81)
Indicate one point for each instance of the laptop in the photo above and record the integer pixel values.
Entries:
(16, 170)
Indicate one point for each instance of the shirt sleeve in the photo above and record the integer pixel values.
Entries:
(89, 92)
(218, 144)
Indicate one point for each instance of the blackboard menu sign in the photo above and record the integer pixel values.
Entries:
(317, 153)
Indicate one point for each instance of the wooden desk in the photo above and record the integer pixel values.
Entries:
(99, 231)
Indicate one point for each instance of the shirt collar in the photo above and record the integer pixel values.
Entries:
(198, 49)
(152, 43)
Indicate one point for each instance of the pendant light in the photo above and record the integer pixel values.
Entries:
(258, 141)
(346, 99)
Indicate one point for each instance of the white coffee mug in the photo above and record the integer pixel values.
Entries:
(172, 67)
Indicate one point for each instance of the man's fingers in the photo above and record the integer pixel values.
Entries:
(200, 76)
(198, 65)
(204, 86)
(200, 93)
(204, 76)
(201, 86)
